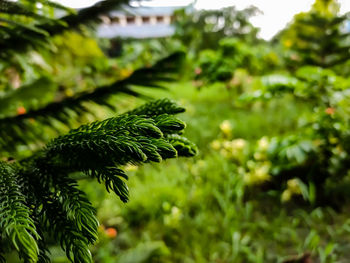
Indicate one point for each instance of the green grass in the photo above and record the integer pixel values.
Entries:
(194, 210)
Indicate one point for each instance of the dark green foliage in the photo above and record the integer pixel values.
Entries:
(318, 37)
(40, 202)
(46, 108)
(201, 29)
(318, 152)
(12, 127)
(68, 216)
(313, 157)
(157, 107)
(313, 84)
(23, 27)
(220, 64)
(183, 146)
(50, 200)
(16, 225)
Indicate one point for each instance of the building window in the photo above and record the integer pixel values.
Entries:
(160, 19)
(130, 20)
(115, 20)
(146, 19)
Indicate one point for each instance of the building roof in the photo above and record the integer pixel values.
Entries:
(135, 31)
(145, 11)
(146, 30)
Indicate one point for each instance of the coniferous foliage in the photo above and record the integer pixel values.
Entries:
(318, 37)
(39, 198)
(24, 27)
(13, 128)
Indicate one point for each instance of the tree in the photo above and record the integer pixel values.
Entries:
(201, 29)
(312, 163)
(317, 37)
(39, 197)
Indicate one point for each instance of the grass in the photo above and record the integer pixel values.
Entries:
(194, 210)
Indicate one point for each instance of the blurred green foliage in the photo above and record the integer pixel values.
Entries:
(202, 29)
(222, 63)
(57, 78)
(271, 120)
(213, 211)
(318, 37)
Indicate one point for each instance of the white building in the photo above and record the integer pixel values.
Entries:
(138, 22)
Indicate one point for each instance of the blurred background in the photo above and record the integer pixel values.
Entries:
(266, 88)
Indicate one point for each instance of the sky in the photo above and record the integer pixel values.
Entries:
(276, 13)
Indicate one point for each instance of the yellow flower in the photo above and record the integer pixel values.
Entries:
(263, 143)
(287, 43)
(294, 186)
(258, 175)
(333, 140)
(248, 179)
(286, 195)
(216, 145)
(226, 127)
(227, 145)
(174, 218)
(225, 153)
(251, 164)
(124, 73)
(238, 144)
(262, 173)
(259, 156)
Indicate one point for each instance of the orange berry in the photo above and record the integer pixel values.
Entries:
(111, 232)
(330, 111)
(21, 110)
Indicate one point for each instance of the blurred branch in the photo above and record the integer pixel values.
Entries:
(14, 129)
(17, 35)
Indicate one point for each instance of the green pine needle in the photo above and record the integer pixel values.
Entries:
(16, 224)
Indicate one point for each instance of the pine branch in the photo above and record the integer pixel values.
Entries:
(19, 128)
(183, 146)
(21, 26)
(23, 36)
(61, 210)
(112, 178)
(43, 247)
(16, 224)
(101, 148)
(157, 107)
(319, 39)
(85, 16)
(70, 218)
(77, 207)
(169, 124)
(71, 239)
(39, 197)
(120, 140)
